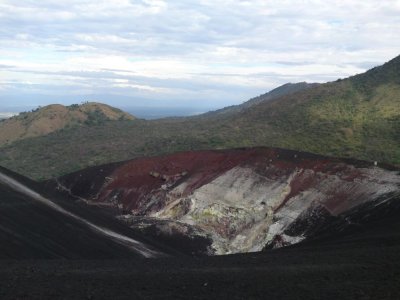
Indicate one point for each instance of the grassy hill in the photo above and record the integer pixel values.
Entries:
(45, 120)
(283, 90)
(355, 117)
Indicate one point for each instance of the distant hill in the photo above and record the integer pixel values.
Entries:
(357, 117)
(54, 117)
(283, 90)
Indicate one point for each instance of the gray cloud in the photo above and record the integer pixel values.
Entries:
(185, 50)
(6, 67)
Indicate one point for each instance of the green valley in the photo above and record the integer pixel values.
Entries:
(357, 117)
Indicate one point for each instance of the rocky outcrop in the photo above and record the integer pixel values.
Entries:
(243, 199)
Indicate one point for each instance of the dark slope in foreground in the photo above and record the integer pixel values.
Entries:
(362, 263)
(32, 226)
(358, 261)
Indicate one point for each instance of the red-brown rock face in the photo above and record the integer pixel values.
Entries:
(243, 199)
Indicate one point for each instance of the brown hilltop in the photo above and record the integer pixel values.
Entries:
(45, 120)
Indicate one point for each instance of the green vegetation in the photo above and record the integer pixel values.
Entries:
(357, 117)
(51, 118)
(73, 107)
(95, 117)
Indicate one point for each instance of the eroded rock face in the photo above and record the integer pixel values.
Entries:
(243, 200)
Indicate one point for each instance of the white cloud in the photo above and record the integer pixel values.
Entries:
(228, 49)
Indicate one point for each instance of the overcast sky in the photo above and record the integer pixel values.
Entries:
(185, 53)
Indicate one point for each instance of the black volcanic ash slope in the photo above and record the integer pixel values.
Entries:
(361, 262)
(358, 264)
(32, 226)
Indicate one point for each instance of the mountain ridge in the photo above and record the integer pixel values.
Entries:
(356, 117)
(283, 90)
